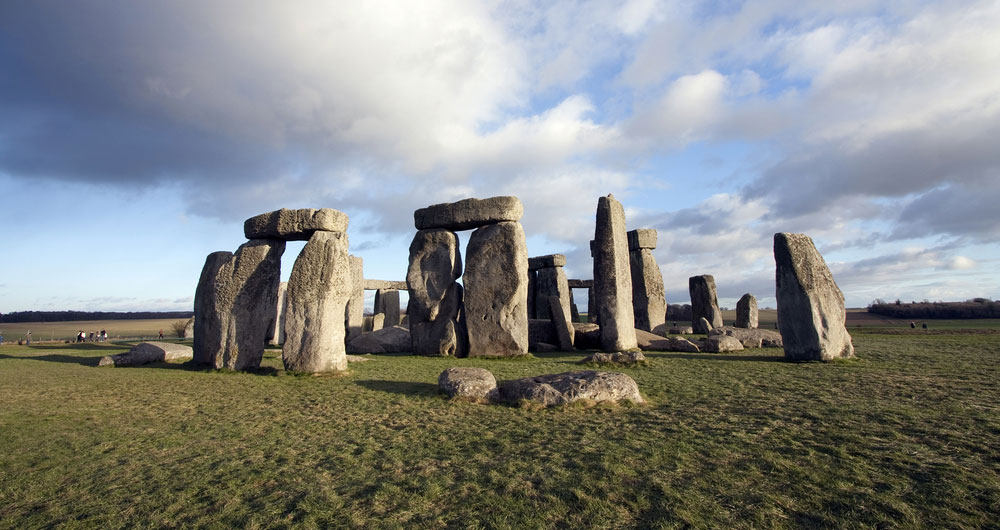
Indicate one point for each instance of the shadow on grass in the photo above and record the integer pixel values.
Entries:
(55, 358)
(406, 388)
(718, 357)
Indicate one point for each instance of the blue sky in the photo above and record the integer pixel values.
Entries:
(135, 138)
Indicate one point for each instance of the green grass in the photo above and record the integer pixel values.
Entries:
(906, 435)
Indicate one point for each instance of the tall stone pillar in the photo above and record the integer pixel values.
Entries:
(435, 296)
(354, 313)
(746, 312)
(612, 277)
(496, 290)
(648, 300)
(704, 302)
(387, 303)
(276, 332)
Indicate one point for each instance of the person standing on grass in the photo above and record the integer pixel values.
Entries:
(104, 336)
(161, 334)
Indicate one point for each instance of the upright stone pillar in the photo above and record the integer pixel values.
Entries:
(648, 299)
(574, 311)
(496, 290)
(318, 292)
(704, 302)
(354, 313)
(387, 303)
(245, 288)
(435, 296)
(277, 331)
(811, 313)
(746, 312)
(551, 281)
(532, 290)
(612, 277)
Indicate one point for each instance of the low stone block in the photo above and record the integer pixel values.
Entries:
(560, 389)
(469, 383)
(394, 339)
(620, 357)
(149, 352)
(720, 344)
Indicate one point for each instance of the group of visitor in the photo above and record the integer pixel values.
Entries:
(95, 336)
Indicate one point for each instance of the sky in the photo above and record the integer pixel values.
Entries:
(136, 137)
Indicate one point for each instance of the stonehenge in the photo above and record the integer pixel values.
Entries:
(497, 303)
(613, 277)
(811, 311)
(648, 300)
(704, 303)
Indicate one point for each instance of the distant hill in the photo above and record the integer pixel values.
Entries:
(68, 316)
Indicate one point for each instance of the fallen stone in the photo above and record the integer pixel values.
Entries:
(811, 311)
(470, 383)
(560, 389)
(720, 344)
(318, 292)
(496, 291)
(681, 330)
(468, 213)
(751, 338)
(357, 359)
(552, 260)
(294, 225)
(620, 357)
(612, 278)
(149, 352)
(704, 326)
(704, 303)
(393, 339)
(587, 336)
(642, 238)
(746, 312)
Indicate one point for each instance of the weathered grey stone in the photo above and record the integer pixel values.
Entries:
(746, 312)
(580, 284)
(563, 326)
(318, 291)
(574, 311)
(704, 302)
(435, 297)
(551, 260)
(720, 344)
(551, 281)
(245, 291)
(532, 291)
(751, 338)
(374, 285)
(619, 357)
(189, 328)
(653, 342)
(468, 213)
(811, 310)
(354, 313)
(470, 383)
(681, 330)
(149, 352)
(496, 291)
(545, 347)
(294, 225)
(378, 321)
(593, 315)
(612, 278)
(394, 339)
(641, 238)
(209, 309)
(587, 336)
(649, 302)
(559, 389)
(387, 303)
(276, 332)
(704, 326)
(540, 331)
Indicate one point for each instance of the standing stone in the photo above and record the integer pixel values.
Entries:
(354, 313)
(496, 291)
(189, 328)
(746, 312)
(593, 315)
(704, 302)
(574, 311)
(246, 288)
(612, 277)
(277, 331)
(435, 297)
(811, 310)
(565, 331)
(648, 296)
(387, 303)
(532, 290)
(209, 309)
(551, 282)
(378, 321)
(318, 291)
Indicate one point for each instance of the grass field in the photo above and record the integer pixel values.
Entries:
(906, 435)
(116, 329)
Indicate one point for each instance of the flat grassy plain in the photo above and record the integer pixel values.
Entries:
(116, 329)
(906, 435)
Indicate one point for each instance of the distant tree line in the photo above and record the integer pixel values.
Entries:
(67, 316)
(975, 308)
